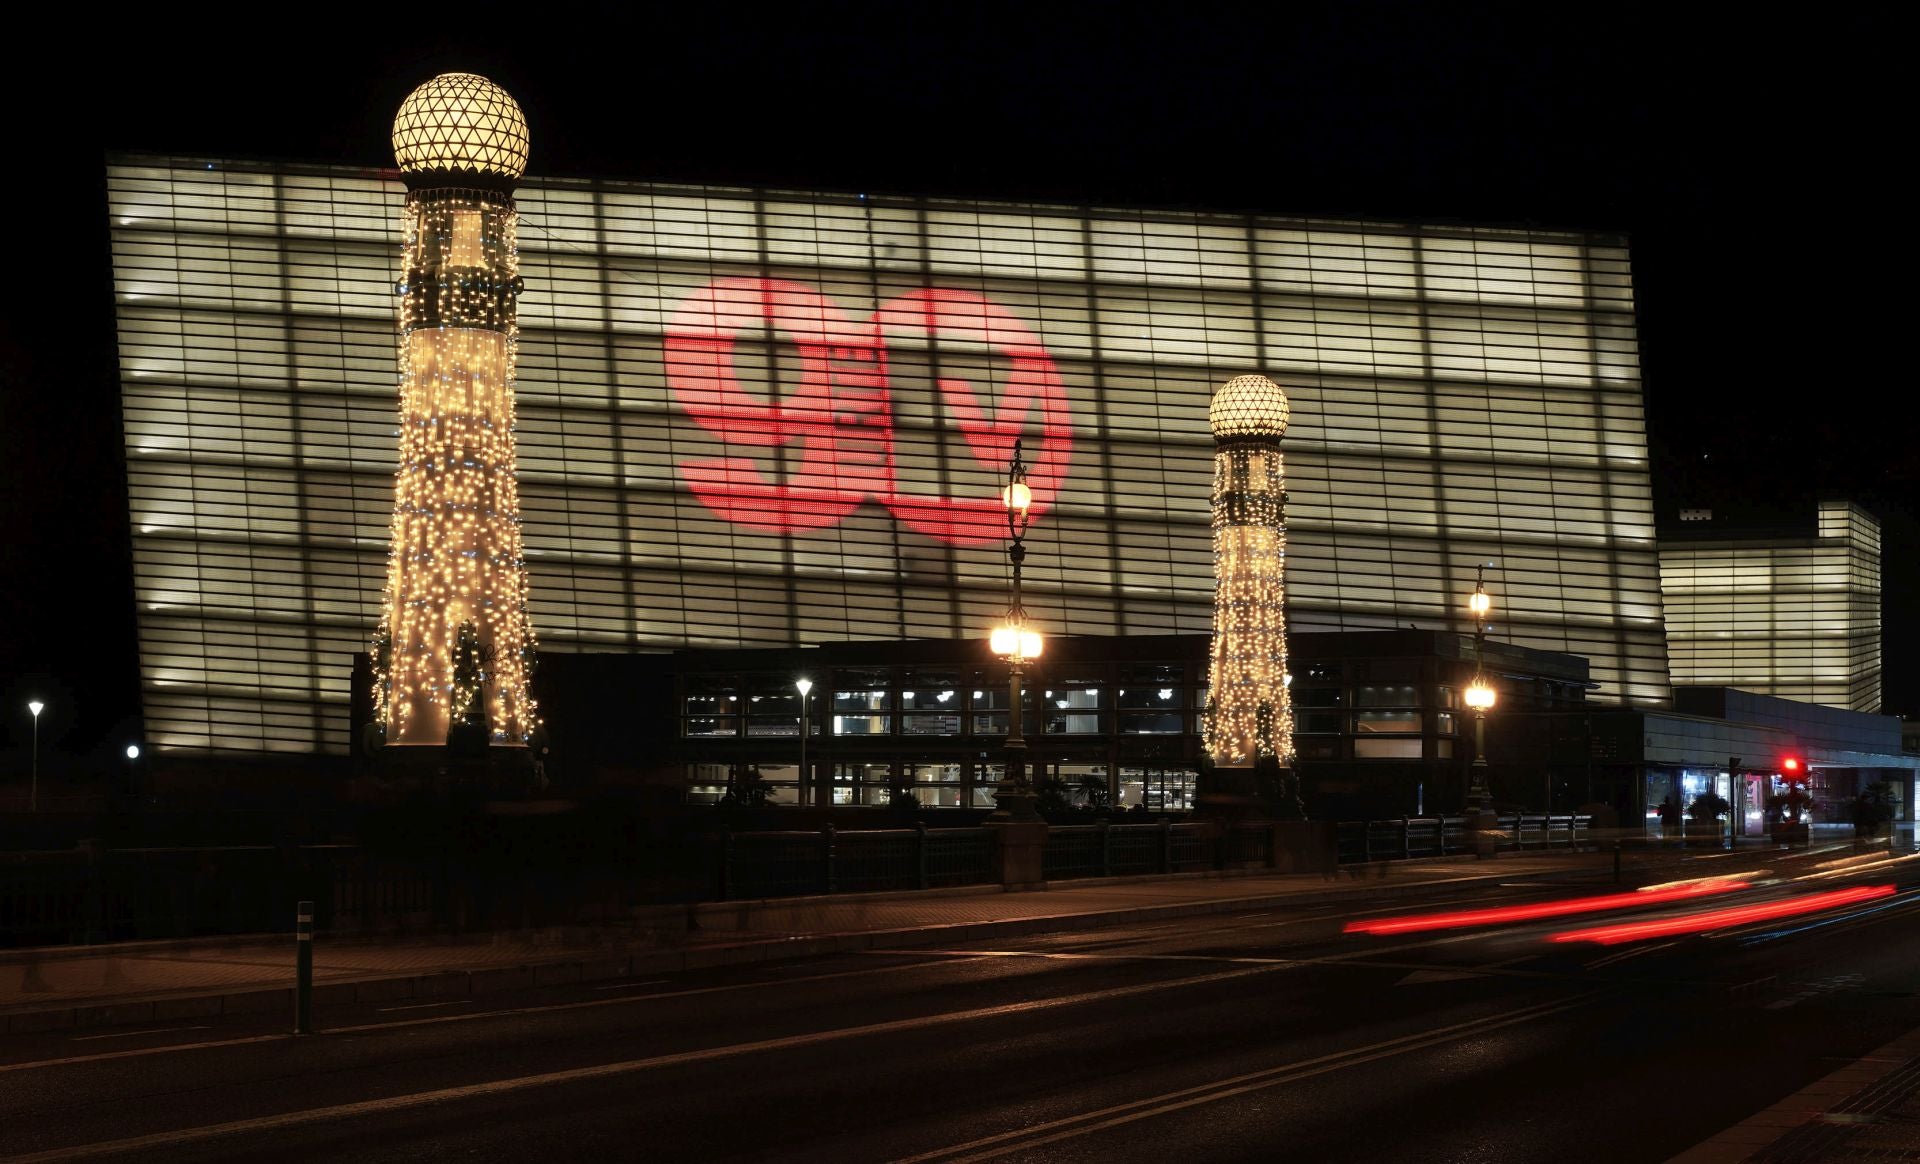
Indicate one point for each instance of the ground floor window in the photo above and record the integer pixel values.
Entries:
(935, 785)
(709, 784)
(1156, 789)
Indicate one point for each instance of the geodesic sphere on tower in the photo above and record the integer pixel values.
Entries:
(1248, 406)
(460, 123)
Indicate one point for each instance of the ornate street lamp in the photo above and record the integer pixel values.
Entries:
(1480, 696)
(803, 685)
(1017, 643)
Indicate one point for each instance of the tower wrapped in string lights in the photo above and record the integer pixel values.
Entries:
(1249, 718)
(455, 646)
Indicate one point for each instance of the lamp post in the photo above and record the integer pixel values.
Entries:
(803, 685)
(1017, 643)
(33, 796)
(1480, 697)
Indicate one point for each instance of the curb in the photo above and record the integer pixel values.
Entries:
(594, 967)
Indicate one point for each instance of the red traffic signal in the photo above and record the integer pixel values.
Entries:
(1792, 768)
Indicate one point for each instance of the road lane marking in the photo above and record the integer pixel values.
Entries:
(397, 1024)
(102, 1056)
(1023, 1139)
(425, 1005)
(294, 1119)
(134, 1034)
(899, 952)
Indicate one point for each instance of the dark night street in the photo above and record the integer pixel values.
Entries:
(913, 584)
(1255, 1037)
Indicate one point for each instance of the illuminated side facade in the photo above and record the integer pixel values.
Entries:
(454, 635)
(768, 418)
(1248, 716)
(1791, 615)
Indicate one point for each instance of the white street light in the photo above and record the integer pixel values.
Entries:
(804, 685)
(133, 751)
(33, 802)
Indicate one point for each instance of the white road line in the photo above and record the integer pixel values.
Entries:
(580, 1074)
(102, 1056)
(1125, 1113)
(397, 1024)
(425, 1005)
(134, 1034)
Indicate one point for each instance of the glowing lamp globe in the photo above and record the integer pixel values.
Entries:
(1480, 696)
(1248, 406)
(461, 124)
(1017, 497)
(1015, 640)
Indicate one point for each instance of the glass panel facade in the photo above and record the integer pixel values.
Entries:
(1459, 395)
(1794, 617)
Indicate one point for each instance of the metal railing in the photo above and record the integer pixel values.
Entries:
(1405, 838)
(94, 894)
(791, 864)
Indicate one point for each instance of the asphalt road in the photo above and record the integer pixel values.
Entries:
(1273, 1035)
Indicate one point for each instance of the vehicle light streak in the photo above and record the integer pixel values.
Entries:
(1771, 935)
(1852, 869)
(1719, 919)
(1746, 878)
(1461, 919)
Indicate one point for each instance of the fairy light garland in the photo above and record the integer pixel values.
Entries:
(1249, 714)
(457, 587)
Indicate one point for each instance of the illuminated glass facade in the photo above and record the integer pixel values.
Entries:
(1794, 616)
(764, 418)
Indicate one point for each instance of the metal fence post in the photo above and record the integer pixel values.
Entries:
(1616, 861)
(303, 970)
(826, 854)
(1106, 847)
(920, 852)
(1166, 846)
(1406, 839)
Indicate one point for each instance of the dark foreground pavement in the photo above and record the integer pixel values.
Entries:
(1869, 1107)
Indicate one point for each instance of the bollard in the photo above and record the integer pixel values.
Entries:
(303, 970)
(826, 855)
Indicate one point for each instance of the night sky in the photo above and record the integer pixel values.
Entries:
(1752, 165)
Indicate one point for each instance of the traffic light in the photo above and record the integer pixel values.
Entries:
(1792, 768)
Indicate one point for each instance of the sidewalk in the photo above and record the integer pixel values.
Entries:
(68, 986)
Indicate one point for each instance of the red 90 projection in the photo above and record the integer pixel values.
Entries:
(838, 421)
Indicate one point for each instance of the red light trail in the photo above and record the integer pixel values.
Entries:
(1414, 923)
(1718, 919)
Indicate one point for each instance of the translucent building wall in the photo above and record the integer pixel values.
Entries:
(766, 417)
(1792, 616)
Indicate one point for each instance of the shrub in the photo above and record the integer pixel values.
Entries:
(1707, 808)
(1873, 807)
